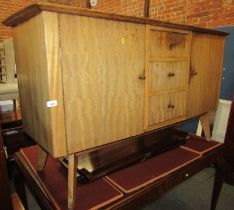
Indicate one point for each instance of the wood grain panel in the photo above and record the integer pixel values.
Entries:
(101, 63)
(55, 92)
(168, 75)
(158, 109)
(38, 67)
(205, 73)
(179, 101)
(168, 44)
(166, 107)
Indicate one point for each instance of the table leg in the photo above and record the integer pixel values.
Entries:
(20, 187)
(218, 183)
(72, 180)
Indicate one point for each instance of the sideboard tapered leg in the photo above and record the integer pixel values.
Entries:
(205, 122)
(72, 179)
(42, 159)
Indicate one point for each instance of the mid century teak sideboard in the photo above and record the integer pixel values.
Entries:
(88, 78)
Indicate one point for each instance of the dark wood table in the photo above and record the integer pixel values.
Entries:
(134, 200)
(12, 132)
(5, 198)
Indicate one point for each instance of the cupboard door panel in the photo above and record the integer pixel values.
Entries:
(168, 75)
(166, 107)
(103, 97)
(205, 73)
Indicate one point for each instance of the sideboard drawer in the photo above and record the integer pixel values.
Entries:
(166, 107)
(164, 44)
(168, 75)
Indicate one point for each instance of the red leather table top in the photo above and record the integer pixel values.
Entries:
(142, 174)
(54, 179)
(100, 193)
(200, 145)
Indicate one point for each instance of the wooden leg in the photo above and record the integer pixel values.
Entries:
(72, 171)
(20, 186)
(205, 122)
(218, 183)
(42, 159)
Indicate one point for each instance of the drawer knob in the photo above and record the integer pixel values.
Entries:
(171, 74)
(193, 73)
(172, 45)
(171, 106)
(142, 77)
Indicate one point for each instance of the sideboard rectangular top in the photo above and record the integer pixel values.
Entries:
(34, 9)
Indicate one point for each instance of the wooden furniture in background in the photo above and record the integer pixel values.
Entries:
(109, 76)
(8, 56)
(3, 74)
(8, 82)
(5, 197)
(12, 132)
(8, 201)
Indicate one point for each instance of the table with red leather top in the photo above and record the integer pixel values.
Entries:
(128, 188)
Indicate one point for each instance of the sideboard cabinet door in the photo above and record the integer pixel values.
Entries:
(102, 64)
(205, 73)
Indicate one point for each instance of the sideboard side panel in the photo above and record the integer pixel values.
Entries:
(35, 68)
(55, 92)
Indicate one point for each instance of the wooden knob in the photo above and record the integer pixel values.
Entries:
(142, 77)
(171, 74)
(171, 106)
(193, 73)
(172, 44)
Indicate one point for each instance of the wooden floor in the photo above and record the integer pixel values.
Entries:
(193, 194)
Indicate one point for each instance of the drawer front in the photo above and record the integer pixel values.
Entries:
(164, 44)
(168, 75)
(166, 107)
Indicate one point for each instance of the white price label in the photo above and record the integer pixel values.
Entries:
(52, 103)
